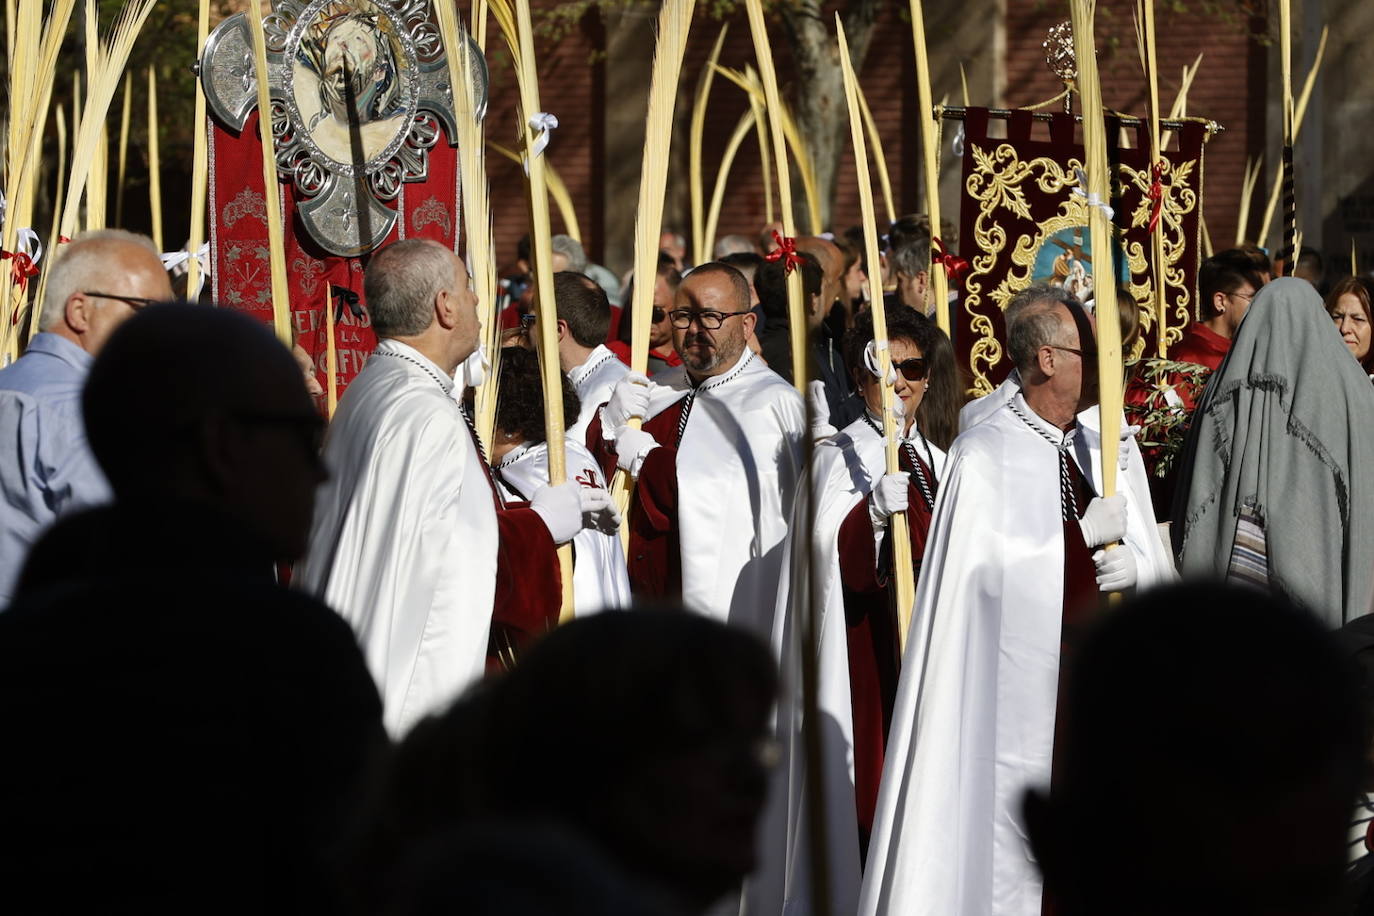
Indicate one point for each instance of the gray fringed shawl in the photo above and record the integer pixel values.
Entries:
(1285, 432)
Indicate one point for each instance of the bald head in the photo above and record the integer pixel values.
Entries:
(204, 405)
(113, 262)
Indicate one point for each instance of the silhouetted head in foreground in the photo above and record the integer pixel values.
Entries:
(1214, 746)
(193, 406)
(645, 731)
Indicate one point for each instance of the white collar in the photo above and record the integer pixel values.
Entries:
(913, 432)
(405, 353)
(599, 355)
(514, 455)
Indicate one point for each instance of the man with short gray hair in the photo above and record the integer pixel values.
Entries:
(1016, 561)
(95, 283)
(411, 543)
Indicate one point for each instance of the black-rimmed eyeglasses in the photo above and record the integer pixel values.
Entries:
(710, 320)
(134, 302)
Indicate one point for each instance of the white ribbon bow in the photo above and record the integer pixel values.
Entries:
(544, 123)
(29, 243)
(871, 361)
(1094, 201)
(173, 261)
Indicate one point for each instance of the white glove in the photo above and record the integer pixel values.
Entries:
(598, 510)
(632, 446)
(1128, 434)
(821, 427)
(561, 509)
(629, 398)
(889, 496)
(1105, 520)
(1115, 569)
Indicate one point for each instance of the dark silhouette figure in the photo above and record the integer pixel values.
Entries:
(1214, 746)
(642, 732)
(183, 733)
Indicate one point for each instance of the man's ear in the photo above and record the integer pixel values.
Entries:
(748, 322)
(77, 312)
(446, 309)
(1219, 301)
(562, 330)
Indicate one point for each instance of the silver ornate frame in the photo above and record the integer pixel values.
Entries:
(342, 207)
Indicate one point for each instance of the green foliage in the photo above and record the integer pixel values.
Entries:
(1164, 425)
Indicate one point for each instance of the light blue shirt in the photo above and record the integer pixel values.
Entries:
(46, 467)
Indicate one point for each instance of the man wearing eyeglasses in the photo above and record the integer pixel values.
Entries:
(717, 461)
(1016, 562)
(95, 284)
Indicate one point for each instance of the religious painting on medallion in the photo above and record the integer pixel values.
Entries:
(1024, 217)
(362, 124)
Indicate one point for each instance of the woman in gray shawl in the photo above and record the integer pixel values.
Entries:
(1278, 468)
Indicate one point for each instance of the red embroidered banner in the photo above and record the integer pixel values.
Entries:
(240, 274)
(1023, 221)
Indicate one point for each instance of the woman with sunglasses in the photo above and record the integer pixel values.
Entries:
(854, 502)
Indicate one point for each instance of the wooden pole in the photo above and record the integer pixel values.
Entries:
(155, 164)
(674, 25)
(758, 30)
(899, 532)
(1098, 190)
(1151, 65)
(200, 170)
(281, 303)
(701, 242)
(124, 119)
(930, 159)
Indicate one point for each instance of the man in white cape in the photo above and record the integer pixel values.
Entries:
(584, 319)
(1011, 570)
(520, 459)
(410, 542)
(716, 464)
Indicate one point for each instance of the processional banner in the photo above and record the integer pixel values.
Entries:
(1024, 220)
(361, 125)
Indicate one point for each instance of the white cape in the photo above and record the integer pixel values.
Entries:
(404, 539)
(593, 381)
(600, 581)
(844, 471)
(738, 467)
(974, 721)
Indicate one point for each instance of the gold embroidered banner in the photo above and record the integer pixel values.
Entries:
(1024, 220)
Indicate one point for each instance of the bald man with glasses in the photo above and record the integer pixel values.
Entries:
(716, 463)
(96, 283)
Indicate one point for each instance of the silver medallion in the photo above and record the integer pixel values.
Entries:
(359, 92)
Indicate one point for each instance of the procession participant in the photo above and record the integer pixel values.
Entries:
(717, 462)
(584, 314)
(909, 255)
(410, 542)
(1274, 484)
(661, 354)
(855, 499)
(96, 282)
(1012, 571)
(520, 459)
(1160, 397)
(834, 401)
(1351, 307)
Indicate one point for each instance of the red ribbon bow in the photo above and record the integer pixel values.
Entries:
(23, 266)
(1156, 196)
(956, 268)
(785, 252)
